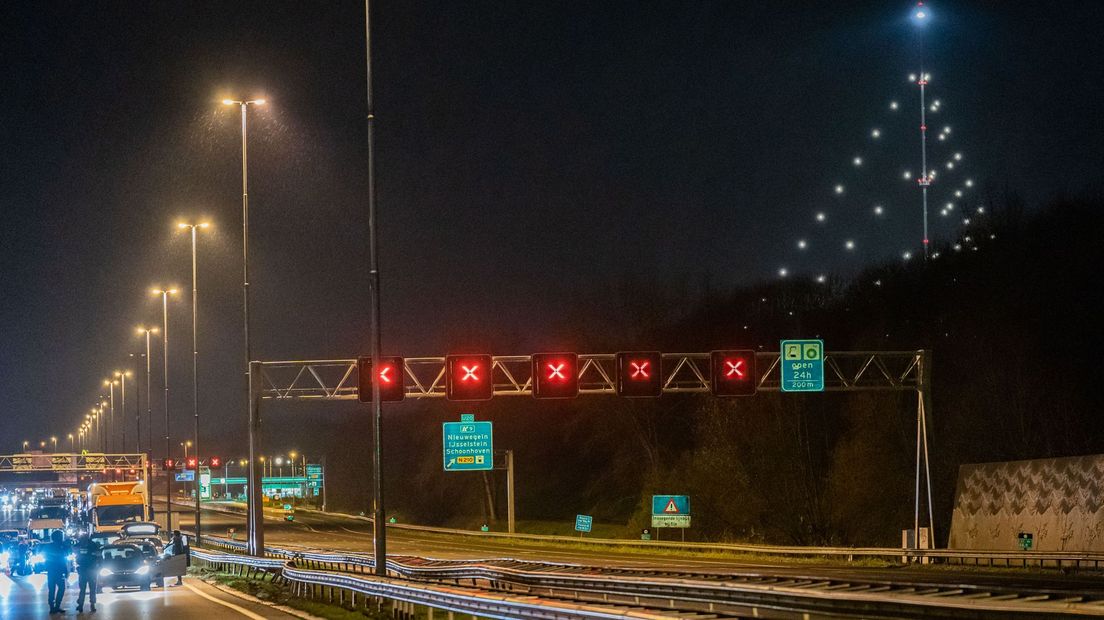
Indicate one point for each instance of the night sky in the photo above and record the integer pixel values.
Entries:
(530, 157)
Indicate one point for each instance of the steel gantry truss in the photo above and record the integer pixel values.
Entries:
(67, 463)
(683, 373)
(849, 371)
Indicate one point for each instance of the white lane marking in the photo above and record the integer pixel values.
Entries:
(241, 610)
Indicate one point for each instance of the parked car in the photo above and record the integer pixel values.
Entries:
(140, 529)
(104, 539)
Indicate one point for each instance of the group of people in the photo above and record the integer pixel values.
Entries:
(88, 558)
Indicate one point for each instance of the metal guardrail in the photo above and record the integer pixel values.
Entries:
(729, 592)
(474, 601)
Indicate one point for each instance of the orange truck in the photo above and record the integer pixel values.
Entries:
(114, 504)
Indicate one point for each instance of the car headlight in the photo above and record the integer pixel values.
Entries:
(142, 570)
(105, 572)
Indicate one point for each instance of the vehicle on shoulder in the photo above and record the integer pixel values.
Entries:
(128, 566)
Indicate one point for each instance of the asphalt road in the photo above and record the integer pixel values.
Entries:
(24, 598)
(338, 532)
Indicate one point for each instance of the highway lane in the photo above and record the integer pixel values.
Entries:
(339, 532)
(24, 598)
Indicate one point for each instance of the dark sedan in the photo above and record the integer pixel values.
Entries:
(126, 565)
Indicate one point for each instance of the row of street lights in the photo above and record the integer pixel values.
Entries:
(94, 421)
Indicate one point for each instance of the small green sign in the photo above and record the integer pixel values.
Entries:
(802, 365)
(1027, 540)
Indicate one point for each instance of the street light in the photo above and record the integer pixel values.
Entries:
(164, 293)
(72, 445)
(53, 440)
(110, 383)
(256, 524)
(122, 376)
(195, 358)
(25, 444)
(149, 393)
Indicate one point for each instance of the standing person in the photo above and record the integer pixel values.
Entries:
(88, 565)
(57, 569)
(180, 549)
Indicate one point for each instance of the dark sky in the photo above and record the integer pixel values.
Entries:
(530, 157)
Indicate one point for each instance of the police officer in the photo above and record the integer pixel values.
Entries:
(57, 569)
(88, 565)
(179, 548)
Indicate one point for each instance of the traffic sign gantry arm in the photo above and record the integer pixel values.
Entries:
(425, 377)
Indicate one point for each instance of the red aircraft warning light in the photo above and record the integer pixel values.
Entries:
(640, 374)
(468, 377)
(390, 379)
(732, 373)
(555, 375)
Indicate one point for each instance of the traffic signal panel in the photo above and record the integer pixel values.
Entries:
(193, 462)
(640, 374)
(555, 375)
(168, 464)
(732, 373)
(468, 377)
(390, 379)
(214, 461)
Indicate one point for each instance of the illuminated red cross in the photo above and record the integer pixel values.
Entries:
(555, 371)
(735, 370)
(469, 372)
(639, 369)
(383, 375)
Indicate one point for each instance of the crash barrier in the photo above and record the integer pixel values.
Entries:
(405, 599)
(740, 593)
(1065, 560)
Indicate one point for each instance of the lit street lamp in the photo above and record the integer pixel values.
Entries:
(164, 293)
(256, 518)
(72, 445)
(53, 440)
(111, 415)
(149, 394)
(122, 376)
(25, 444)
(194, 228)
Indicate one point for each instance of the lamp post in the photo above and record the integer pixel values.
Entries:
(110, 383)
(25, 444)
(122, 377)
(256, 523)
(149, 393)
(194, 228)
(164, 293)
(72, 445)
(53, 440)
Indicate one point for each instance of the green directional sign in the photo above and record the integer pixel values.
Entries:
(802, 365)
(468, 445)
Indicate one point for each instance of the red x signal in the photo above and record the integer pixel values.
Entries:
(732, 373)
(639, 374)
(555, 375)
(469, 377)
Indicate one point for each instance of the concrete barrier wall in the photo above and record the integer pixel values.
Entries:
(1059, 501)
